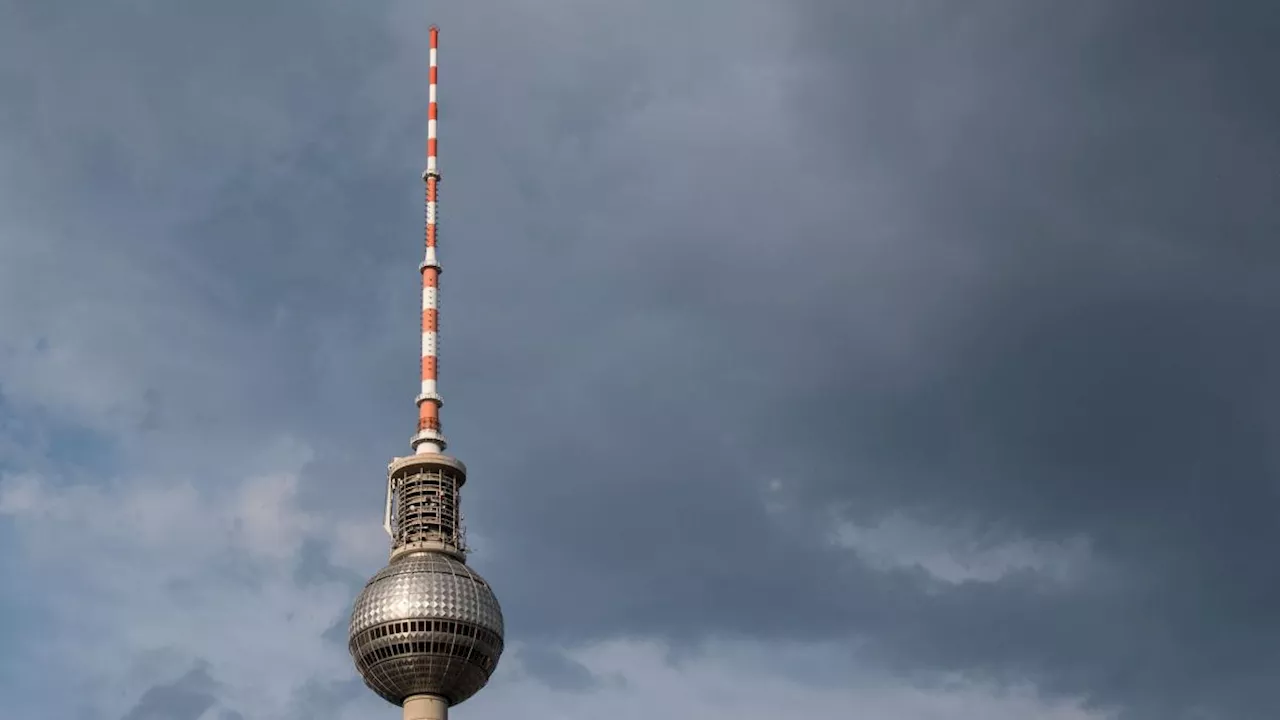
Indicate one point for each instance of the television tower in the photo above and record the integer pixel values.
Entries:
(426, 631)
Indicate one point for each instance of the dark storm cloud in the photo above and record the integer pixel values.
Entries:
(315, 568)
(1113, 377)
(186, 698)
(326, 700)
(557, 670)
(1006, 267)
(161, 125)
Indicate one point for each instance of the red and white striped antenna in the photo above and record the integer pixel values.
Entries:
(429, 438)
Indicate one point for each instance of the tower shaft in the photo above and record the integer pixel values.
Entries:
(426, 707)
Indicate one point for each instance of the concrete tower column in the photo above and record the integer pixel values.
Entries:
(426, 707)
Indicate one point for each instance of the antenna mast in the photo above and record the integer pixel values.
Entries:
(429, 438)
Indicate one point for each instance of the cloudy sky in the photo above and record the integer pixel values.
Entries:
(832, 359)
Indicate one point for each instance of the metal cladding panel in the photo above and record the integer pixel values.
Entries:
(446, 629)
(398, 679)
(429, 585)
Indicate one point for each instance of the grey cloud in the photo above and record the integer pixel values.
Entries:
(315, 565)
(186, 698)
(1110, 378)
(556, 670)
(337, 632)
(1005, 266)
(1038, 310)
(326, 700)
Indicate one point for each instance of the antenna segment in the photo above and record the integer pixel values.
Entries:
(422, 510)
(429, 438)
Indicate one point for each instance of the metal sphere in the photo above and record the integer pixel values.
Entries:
(426, 624)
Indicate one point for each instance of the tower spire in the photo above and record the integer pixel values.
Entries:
(427, 631)
(429, 438)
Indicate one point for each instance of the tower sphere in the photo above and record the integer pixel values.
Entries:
(426, 624)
